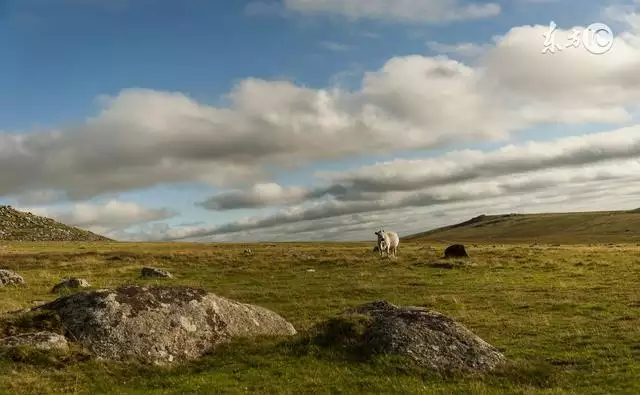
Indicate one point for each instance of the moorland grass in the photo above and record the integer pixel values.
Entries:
(567, 317)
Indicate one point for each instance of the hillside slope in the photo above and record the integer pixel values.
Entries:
(21, 226)
(571, 228)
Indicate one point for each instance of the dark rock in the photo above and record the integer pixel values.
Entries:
(73, 283)
(160, 325)
(7, 277)
(431, 339)
(455, 251)
(148, 272)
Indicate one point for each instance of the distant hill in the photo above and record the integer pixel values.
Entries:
(569, 228)
(21, 226)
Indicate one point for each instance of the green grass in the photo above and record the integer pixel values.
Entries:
(553, 228)
(567, 317)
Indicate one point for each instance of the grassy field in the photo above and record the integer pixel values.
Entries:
(568, 317)
(548, 228)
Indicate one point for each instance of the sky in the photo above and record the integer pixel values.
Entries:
(288, 120)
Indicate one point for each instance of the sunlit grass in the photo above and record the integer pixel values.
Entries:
(566, 316)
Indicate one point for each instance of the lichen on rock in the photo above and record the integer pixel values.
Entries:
(160, 325)
(431, 339)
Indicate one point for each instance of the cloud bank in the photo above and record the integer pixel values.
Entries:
(143, 138)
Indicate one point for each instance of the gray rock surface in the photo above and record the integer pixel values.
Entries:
(39, 340)
(150, 272)
(73, 283)
(160, 325)
(432, 339)
(7, 277)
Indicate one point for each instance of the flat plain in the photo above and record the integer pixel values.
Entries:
(566, 315)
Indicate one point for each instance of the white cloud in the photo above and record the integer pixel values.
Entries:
(437, 11)
(107, 218)
(142, 138)
(553, 168)
(577, 195)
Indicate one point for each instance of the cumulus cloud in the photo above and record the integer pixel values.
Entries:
(142, 138)
(559, 181)
(458, 166)
(582, 192)
(108, 218)
(397, 10)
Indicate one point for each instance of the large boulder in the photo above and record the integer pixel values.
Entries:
(431, 339)
(7, 277)
(455, 251)
(160, 325)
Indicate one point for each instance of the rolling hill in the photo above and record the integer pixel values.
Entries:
(17, 225)
(560, 228)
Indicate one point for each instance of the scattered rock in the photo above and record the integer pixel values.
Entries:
(432, 339)
(7, 277)
(38, 340)
(455, 251)
(160, 325)
(148, 272)
(71, 283)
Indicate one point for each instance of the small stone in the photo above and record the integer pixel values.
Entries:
(73, 283)
(39, 340)
(148, 272)
(7, 277)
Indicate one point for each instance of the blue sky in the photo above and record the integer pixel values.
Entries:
(62, 56)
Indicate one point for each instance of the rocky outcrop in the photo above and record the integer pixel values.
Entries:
(71, 283)
(38, 340)
(7, 277)
(23, 226)
(431, 339)
(160, 325)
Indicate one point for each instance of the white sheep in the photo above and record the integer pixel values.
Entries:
(387, 242)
